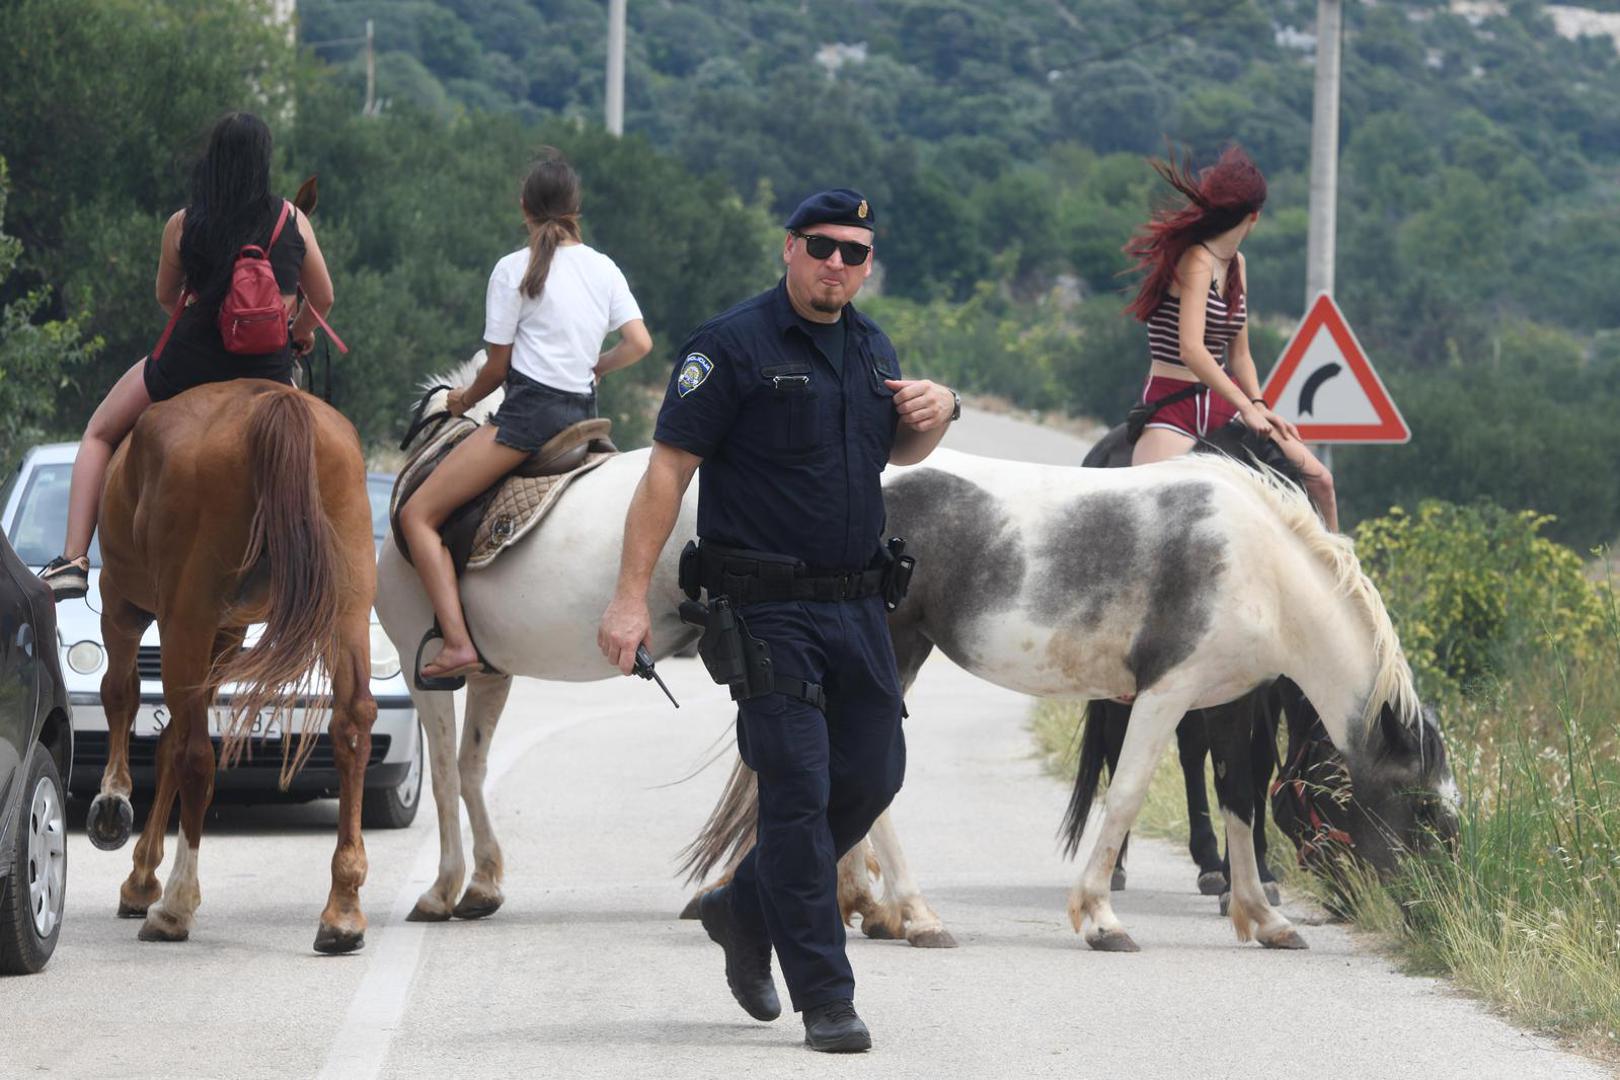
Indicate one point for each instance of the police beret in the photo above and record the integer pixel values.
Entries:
(839, 206)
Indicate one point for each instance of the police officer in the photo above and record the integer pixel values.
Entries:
(792, 404)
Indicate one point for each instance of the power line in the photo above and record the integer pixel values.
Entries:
(1201, 16)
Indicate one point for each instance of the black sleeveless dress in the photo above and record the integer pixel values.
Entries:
(195, 353)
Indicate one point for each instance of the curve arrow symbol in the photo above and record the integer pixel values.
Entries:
(1307, 393)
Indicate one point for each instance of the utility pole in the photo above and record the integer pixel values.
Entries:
(371, 69)
(615, 68)
(1324, 161)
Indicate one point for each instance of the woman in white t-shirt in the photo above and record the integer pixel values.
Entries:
(549, 307)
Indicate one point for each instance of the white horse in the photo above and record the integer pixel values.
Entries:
(1187, 584)
(533, 611)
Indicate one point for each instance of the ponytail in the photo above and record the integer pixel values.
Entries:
(551, 204)
(544, 239)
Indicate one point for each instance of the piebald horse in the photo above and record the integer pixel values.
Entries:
(1187, 583)
(1053, 581)
(232, 504)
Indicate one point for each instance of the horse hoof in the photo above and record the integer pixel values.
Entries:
(109, 822)
(939, 938)
(690, 911)
(334, 942)
(478, 905)
(420, 913)
(1212, 883)
(1226, 904)
(1273, 894)
(130, 911)
(1117, 882)
(879, 929)
(1288, 939)
(1112, 941)
(156, 928)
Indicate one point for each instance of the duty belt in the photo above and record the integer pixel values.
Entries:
(750, 577)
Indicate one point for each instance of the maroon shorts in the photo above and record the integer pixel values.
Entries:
(1204, 412)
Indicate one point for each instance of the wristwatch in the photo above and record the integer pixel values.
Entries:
(956, 411)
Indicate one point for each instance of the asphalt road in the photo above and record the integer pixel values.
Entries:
(586, 972)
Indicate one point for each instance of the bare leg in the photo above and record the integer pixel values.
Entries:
(109, 424)
(1318, 481)
(472, 467)
(1158, 444)
(1153, 722)
(486, 697)
(343, 924)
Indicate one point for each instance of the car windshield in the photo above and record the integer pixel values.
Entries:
(41, 521)
(40, 527)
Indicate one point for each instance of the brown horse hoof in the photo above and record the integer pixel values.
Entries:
(1211, 883)
(334, 942)
(109, 821)
(690, 911)
(939, 938)
(478, 905)
(160, 930)
(427, 914)
(879, 929)
(130, 911)
(1112, 941)
(1288, 940)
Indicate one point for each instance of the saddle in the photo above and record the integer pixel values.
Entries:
(514, 505)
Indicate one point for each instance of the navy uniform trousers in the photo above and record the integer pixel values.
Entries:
(823, 780)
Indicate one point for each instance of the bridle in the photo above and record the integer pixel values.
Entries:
(420, 421)
(1291, 777)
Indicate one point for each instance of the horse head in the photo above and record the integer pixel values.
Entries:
(431, 409)
(1395, 797)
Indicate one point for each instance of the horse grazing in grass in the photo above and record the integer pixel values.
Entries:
(232, 504)
(1188, 583)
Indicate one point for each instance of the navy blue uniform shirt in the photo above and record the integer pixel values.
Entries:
(793, 448)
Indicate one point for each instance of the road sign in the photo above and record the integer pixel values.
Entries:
(1325, 384)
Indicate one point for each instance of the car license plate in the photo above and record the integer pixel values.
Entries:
(151, 720)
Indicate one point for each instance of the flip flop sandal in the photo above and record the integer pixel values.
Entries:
(67, 579)
(455, 678)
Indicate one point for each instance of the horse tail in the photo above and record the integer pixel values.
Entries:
(730, 827)
(1088, 773)
(292, 549)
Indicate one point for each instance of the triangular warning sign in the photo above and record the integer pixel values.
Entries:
(1325, 384)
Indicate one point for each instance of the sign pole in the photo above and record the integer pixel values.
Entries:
(1324, 163)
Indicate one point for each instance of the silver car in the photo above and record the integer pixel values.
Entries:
(33, 513)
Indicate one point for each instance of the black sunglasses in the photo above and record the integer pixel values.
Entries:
(821, 247)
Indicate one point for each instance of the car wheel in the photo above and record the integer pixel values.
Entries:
(395, 807)
(32, 895)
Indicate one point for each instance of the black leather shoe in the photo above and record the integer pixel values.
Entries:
(834, 1028)
(748, 963)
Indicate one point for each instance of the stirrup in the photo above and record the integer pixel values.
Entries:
(444, 682)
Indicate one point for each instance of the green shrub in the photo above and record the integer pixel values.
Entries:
(1468, 585)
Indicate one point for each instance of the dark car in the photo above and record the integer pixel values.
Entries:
(36, 752)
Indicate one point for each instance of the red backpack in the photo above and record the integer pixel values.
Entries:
(252, 320)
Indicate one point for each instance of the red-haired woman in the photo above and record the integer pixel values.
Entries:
(1194, 302)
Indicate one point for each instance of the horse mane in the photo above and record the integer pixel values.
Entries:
(1337, 553)
(462, 375)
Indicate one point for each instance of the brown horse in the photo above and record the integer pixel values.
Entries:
(232, 504)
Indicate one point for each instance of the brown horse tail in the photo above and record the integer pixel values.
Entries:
(730, 828)
(293, 549)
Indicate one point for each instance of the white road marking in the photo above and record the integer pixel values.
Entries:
(360, 1046)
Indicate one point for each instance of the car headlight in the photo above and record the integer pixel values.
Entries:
(384, 657)
(85, 657)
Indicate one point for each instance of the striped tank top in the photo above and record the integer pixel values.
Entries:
(1221, 325)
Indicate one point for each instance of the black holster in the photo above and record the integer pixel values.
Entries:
(897, 570)
(734, 657)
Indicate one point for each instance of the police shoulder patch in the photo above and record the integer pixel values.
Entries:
(694, 369)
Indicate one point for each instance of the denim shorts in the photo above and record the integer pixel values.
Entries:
(532, 412)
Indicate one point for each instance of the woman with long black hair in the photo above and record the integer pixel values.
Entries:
(231, 207)
(1194, 300)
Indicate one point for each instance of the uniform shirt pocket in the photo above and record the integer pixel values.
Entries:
(790, 394)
